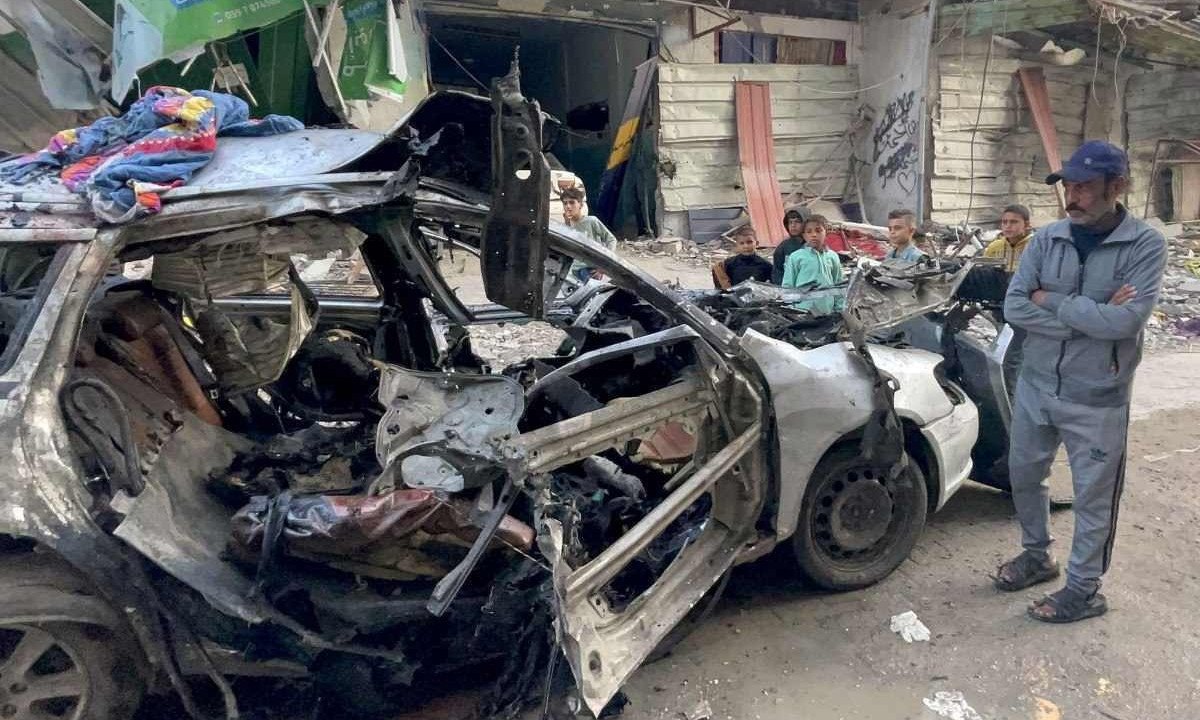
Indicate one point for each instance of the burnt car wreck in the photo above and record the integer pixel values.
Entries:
(222, 471)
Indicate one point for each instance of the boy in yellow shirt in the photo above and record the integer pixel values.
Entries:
(1015, 234)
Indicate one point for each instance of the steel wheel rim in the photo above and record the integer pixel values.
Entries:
(41, 676)
(834, 496)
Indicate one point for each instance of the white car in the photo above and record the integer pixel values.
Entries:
(206, 476)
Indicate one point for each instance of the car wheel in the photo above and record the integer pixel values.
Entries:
(62, 670)
(52, 667)
(856, 524)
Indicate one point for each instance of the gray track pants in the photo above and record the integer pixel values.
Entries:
(1095, 440)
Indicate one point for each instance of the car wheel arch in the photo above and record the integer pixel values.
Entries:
(805, 543)
(64, 593)
(919, 449)
(45, 598)
(915, 443)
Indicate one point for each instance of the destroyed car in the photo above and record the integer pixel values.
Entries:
(220, 469)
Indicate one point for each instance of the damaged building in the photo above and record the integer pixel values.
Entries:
(702, 113)
(225, 464)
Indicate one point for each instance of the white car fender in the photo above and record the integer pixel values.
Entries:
(823, 394)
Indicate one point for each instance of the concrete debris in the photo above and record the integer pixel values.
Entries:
(506, 344)
(910, 627)
(952, 705)
(681, 249)
(1055, 54)
(701, 711)
(1046, 710)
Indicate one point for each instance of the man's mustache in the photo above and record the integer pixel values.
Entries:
(1073, 206)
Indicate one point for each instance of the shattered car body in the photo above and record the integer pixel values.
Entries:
(237, 475)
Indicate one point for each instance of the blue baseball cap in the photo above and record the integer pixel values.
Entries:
(1094, 159)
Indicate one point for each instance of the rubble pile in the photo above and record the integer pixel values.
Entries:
(509, 343)
(678, 248)
(1175, 325)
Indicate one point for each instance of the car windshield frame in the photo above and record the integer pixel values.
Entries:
(20, 333)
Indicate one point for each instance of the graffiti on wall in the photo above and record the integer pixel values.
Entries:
(895, 138)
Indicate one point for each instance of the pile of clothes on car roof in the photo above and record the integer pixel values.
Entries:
(122, 163)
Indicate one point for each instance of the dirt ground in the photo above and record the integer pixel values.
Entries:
(776, 650)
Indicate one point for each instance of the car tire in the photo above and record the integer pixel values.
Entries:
(855, 525)
(64, 670)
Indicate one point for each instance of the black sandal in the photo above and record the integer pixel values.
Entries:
(1023, 571)
(1069, 605)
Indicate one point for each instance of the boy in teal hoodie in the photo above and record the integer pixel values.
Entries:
(816, 267)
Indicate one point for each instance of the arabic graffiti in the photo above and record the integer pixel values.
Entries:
(893, 136)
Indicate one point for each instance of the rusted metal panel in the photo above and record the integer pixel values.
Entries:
(756, 151)
(1033, 82)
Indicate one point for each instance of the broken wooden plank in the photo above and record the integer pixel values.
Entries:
(998, 16)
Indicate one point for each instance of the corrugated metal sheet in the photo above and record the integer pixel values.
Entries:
(756, 154)
(1010, 164)
(1159, 104)
(698, 151)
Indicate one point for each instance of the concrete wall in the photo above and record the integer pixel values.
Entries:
(1009, 162)
(679, 46)
(812, 106)
(698, 134)
(894, 72)
(1159, 104)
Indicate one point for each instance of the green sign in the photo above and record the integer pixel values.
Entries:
(186, 23)
(365, 58)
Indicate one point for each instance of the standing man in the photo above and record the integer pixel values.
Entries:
(1015, 233)
(902, 226)
(793, 222)
(590, 227)
(1083, 291)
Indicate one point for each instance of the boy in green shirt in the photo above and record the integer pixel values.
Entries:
(590, 227)
(816, 267)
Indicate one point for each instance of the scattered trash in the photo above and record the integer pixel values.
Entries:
(1105, 687)
(1164, 456)
(1188, 328)
(1046, 710)
(909, 627)
(701, 711)
(951, 705)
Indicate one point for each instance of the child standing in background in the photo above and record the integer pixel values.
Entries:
(814, 266)
(745, 265)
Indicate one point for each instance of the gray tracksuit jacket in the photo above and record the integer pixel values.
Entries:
(1079, 347)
